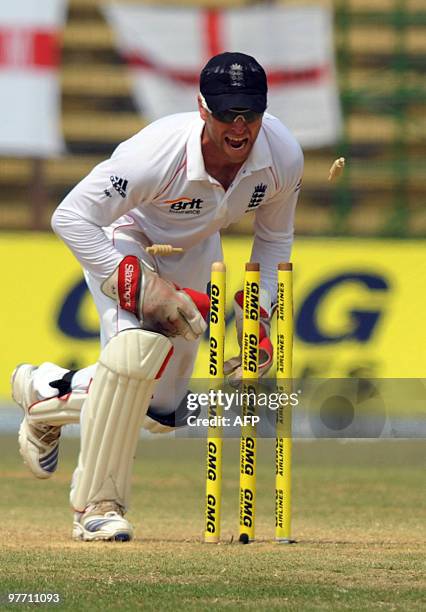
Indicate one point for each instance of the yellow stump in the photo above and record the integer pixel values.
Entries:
(248, 443)
(214, 436)
(283, 440)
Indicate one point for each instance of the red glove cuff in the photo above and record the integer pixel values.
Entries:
(265, 344)
(201, 300)
(129, 283)
(266, 352)
(239, 298)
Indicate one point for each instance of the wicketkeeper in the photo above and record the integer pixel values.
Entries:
(178, 181)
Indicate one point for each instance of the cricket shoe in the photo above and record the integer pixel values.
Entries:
(38, 443)
(102, 521)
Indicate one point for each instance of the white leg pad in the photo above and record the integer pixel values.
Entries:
(116, 406)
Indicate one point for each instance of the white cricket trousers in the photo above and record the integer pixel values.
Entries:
(189, 269)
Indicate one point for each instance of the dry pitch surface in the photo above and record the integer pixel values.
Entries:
(359, 518)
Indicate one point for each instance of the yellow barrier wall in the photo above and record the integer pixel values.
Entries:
(359, 306)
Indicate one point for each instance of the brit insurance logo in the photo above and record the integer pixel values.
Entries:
(257, 196)
(185, 206)
(119, 184)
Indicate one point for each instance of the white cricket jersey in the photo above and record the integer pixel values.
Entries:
(158, 178)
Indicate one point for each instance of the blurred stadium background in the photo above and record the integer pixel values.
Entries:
(363, 235)
(380, 50)
(360, 265)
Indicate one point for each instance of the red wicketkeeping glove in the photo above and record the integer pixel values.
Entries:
(156, 302)
(233, 367)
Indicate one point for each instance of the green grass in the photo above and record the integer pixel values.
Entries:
(358, 518)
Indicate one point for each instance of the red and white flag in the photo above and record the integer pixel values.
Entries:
(30, 90)
(165, 48)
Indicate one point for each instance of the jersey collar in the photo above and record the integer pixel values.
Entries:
(195, 170)
(260, 156)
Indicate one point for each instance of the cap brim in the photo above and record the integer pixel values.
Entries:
(223, 102)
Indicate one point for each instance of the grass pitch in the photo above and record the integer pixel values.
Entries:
(358, 517)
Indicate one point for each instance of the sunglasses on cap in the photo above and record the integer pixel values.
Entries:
(232, 114)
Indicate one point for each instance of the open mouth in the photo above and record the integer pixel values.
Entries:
(236, 143)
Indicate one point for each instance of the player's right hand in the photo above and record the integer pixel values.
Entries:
(156, 302)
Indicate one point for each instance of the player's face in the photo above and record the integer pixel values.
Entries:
(232, 140)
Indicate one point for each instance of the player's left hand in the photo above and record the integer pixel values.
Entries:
(233, 367)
